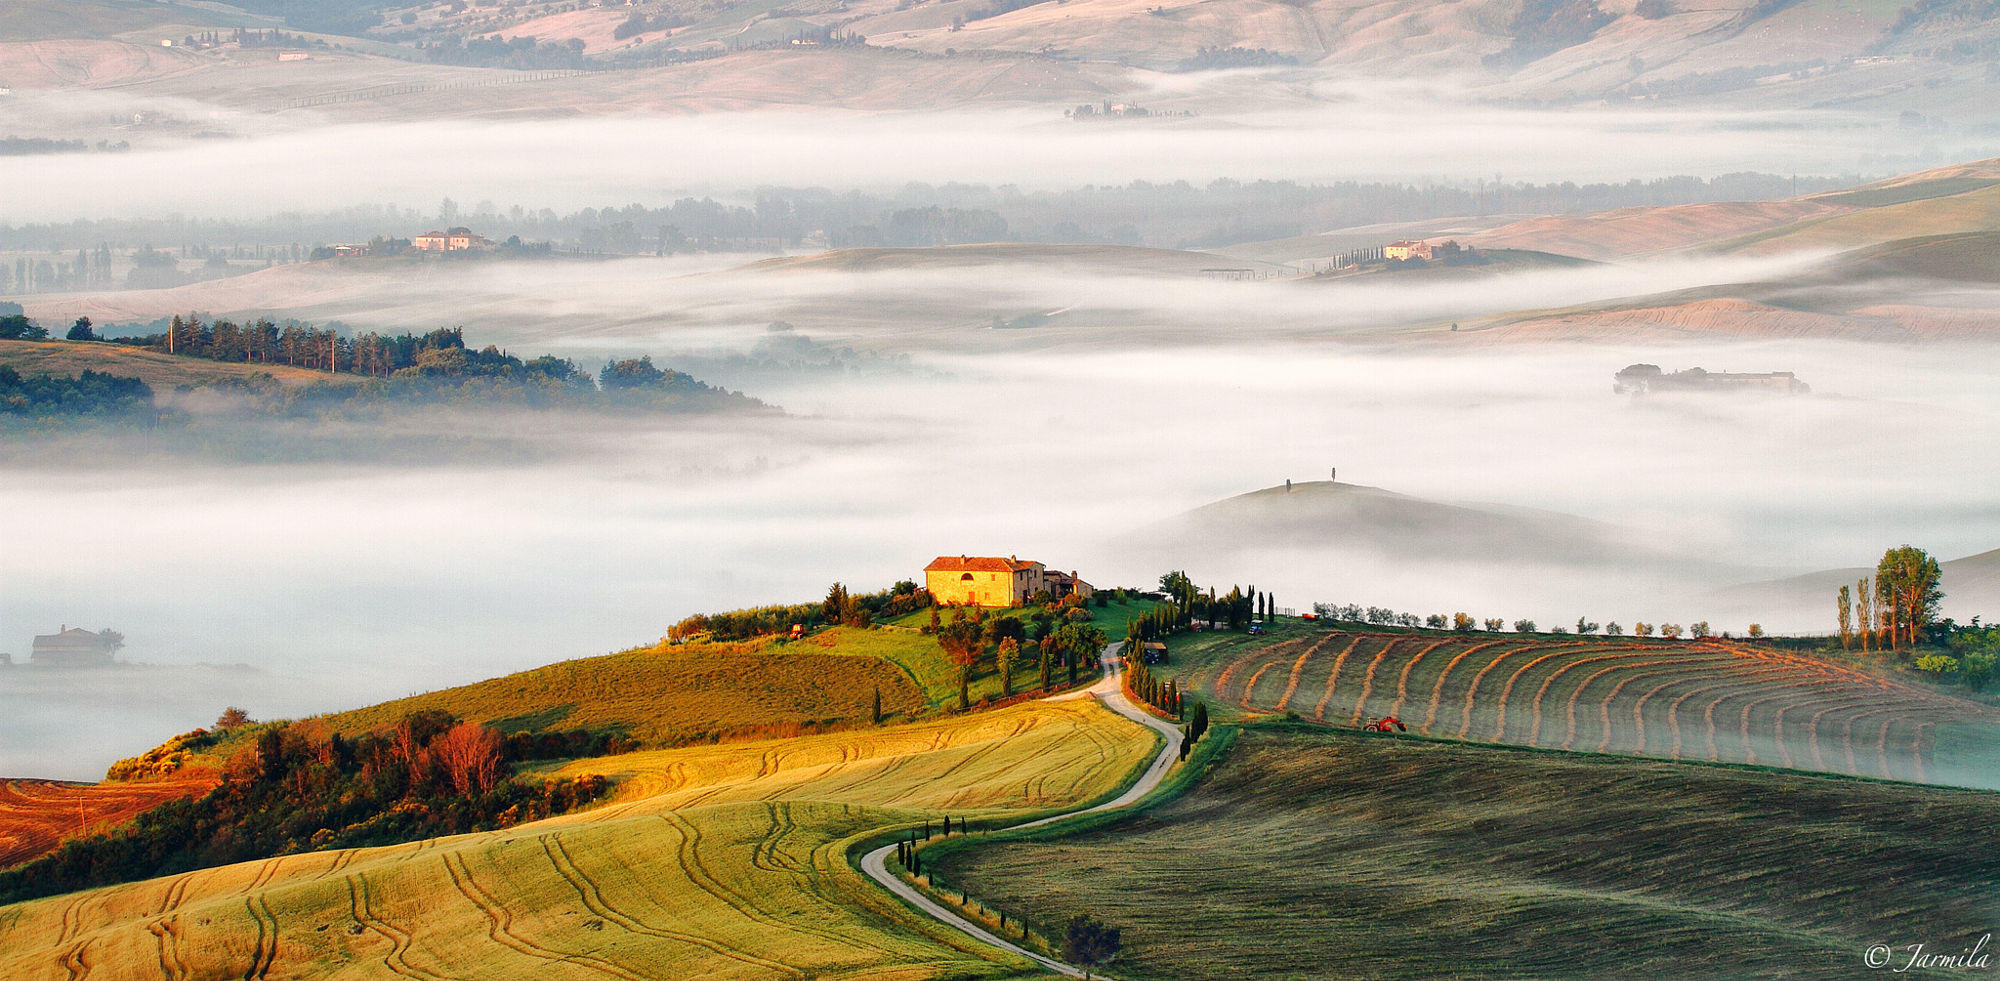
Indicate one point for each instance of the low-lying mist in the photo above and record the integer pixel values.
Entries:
(350, 582)
(299, 161)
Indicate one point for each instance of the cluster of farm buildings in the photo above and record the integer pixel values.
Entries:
(1638, 379)
(456, 239)
(983, 580)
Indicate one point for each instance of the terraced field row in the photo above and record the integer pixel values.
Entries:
(35, 815)
(722, 861)
(1709, 700)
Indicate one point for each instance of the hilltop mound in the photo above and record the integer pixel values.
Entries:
(1357, 517)
(1972, 257)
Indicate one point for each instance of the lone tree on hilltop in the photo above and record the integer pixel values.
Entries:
(233, 717)
(1088, 942)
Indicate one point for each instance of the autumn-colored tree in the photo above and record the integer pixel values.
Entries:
(1846, 607)
(1906, 582)
(469, 756)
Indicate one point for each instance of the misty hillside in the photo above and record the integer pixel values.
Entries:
(1355, 517)
(1929, 60)
(1971, 588)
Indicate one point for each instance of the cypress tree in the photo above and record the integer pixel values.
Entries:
(875, 715)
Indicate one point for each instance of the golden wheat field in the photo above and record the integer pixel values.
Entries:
(716, 861)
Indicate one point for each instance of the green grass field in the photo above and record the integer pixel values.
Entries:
(713, 861)
(1309, 853)
(162, 371)
(1710, 700)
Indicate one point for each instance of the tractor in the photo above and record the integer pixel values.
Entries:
(1387, 723)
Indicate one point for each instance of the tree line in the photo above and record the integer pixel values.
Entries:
(293, 787)
(1897, 612)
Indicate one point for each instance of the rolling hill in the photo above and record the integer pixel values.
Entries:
(722, 861)
(1331, 854)
(1356, 517)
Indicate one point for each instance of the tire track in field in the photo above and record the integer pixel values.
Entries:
(698, 872)
(1368, 679)
(359, 904)
(1333, 677)
(176, 894)
(72, 920)
(1298, 666)
(1403, 680)
(74, 961)
(592, 895)
(267, 938)
(500, 923)
(171, 966)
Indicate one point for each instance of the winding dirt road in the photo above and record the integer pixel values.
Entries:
(1111, 691)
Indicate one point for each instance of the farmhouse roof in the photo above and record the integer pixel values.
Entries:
(69, 638)
(977, 563)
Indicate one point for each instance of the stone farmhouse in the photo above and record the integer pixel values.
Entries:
(1406, 250)
(73, 647)
(980, 580)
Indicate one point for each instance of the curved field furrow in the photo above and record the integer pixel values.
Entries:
(1403, 680)
(267, 933)
(1472, 692)
(358, 905)
(1333, 677)
(1292, 684)
(500, 923)
(1368, 679)
(1437, 690)
(1507, 691)
(1639, 695)
(1604, 704)
(1622, 655)
(593, 899)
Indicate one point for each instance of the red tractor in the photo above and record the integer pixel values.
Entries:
(1387, 723)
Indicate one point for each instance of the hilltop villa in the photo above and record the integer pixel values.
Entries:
(1406, 250)
(979, 580)
(73, 647)
(455, 240)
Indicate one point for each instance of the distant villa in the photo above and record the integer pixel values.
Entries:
(75, 647)
(453, 240)
(1639, 379)
(981, 580)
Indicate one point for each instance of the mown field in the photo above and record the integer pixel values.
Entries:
(714, 861)
(1307, 853)
(1709, 700)
(162, 371)
(670, 694)
(37, 815)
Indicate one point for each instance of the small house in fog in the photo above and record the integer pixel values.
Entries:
(75, 647)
